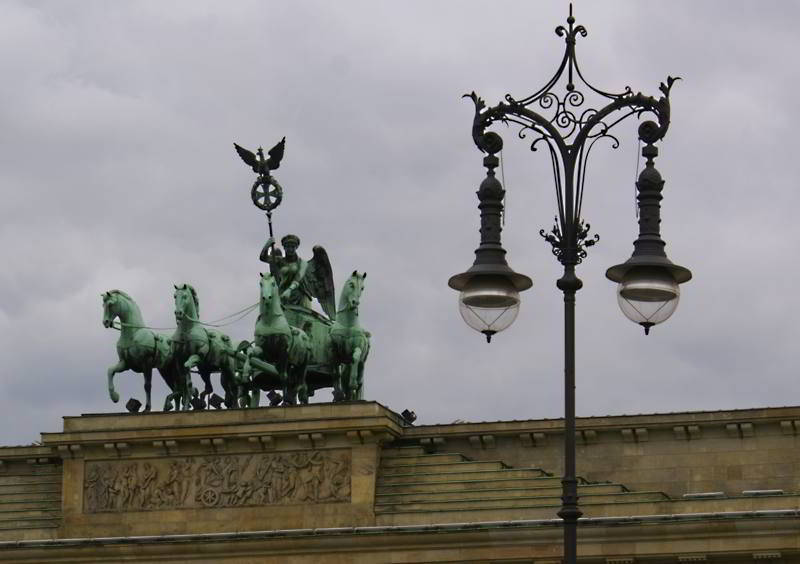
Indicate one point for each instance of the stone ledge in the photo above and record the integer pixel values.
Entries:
(632, 428)
(784, 514)
(268, 428)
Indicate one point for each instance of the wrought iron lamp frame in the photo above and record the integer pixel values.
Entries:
(569, 133)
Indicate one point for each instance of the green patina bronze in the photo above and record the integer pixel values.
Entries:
(350, 341)
(295, 349)
(206, 350)
(298, 280)
(309, 351)
(139, 348)
(279, 344)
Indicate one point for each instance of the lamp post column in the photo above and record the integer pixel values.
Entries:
(569, 284)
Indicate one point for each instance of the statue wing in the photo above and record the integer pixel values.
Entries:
(248, 157)
(276, 154)
(320, 281)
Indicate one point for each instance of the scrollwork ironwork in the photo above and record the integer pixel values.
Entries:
(560, 246)
(570, 130)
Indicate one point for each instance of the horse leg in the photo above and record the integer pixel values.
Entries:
(336, 380)
(353, 376)
(231, 380)
(242, 383)
(255, 396)
(192, 362)
(339, 385)
(188, 392)
(283, 370)
(148, 381)
(360, 393)
(302, 387)
(183, 390)
(228, 381)
(174, 398)
(175, 384)
(168, 401)
(120, 366)
(207, 388)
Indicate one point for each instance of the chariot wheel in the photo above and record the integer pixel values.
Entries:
(209, 497)
(266, 193)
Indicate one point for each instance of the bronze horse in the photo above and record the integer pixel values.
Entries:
(139, 348)
(196, 346)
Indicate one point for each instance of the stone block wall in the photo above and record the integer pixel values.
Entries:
(678, 453)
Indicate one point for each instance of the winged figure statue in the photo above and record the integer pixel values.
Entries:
(299, 280)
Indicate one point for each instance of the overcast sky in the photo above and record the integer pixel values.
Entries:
(117, 170)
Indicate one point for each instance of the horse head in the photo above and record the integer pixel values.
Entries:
(351, 292)
(270, 296)
(116, 303)
(187, 306)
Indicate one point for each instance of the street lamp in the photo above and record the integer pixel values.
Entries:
(648, 282)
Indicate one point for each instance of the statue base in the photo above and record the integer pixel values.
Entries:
(251, 469)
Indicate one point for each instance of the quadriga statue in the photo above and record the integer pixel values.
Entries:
(338, 344)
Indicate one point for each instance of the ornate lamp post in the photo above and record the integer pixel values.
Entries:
(648, 281)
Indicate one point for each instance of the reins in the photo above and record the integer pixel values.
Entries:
(242, 313)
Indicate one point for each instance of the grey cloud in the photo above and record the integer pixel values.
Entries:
(117, 171)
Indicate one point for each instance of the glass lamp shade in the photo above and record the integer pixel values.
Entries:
(648, 295)
(489, 304)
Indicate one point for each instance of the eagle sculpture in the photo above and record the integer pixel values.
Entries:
(258, 163)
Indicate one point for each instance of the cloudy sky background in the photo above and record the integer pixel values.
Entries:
(117, 171)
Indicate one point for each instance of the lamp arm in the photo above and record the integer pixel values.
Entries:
(638, 104)
(490, 142)
(516, 112)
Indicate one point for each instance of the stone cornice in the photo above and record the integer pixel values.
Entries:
(688, 425)
(596, 531)
(311, 426)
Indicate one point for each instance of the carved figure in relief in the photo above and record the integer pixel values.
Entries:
(208, 482)
(262, 484)
(149, 476)
(129, 486)
(338, 472)
(308, 468)
(239, 488)
(175, 489)
(217, 481)
(101, 489)
(91, 488)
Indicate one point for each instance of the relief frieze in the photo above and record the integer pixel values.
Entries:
(217, 481)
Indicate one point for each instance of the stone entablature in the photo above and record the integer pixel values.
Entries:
(191, 472)
(203, 432)
(351, 482)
